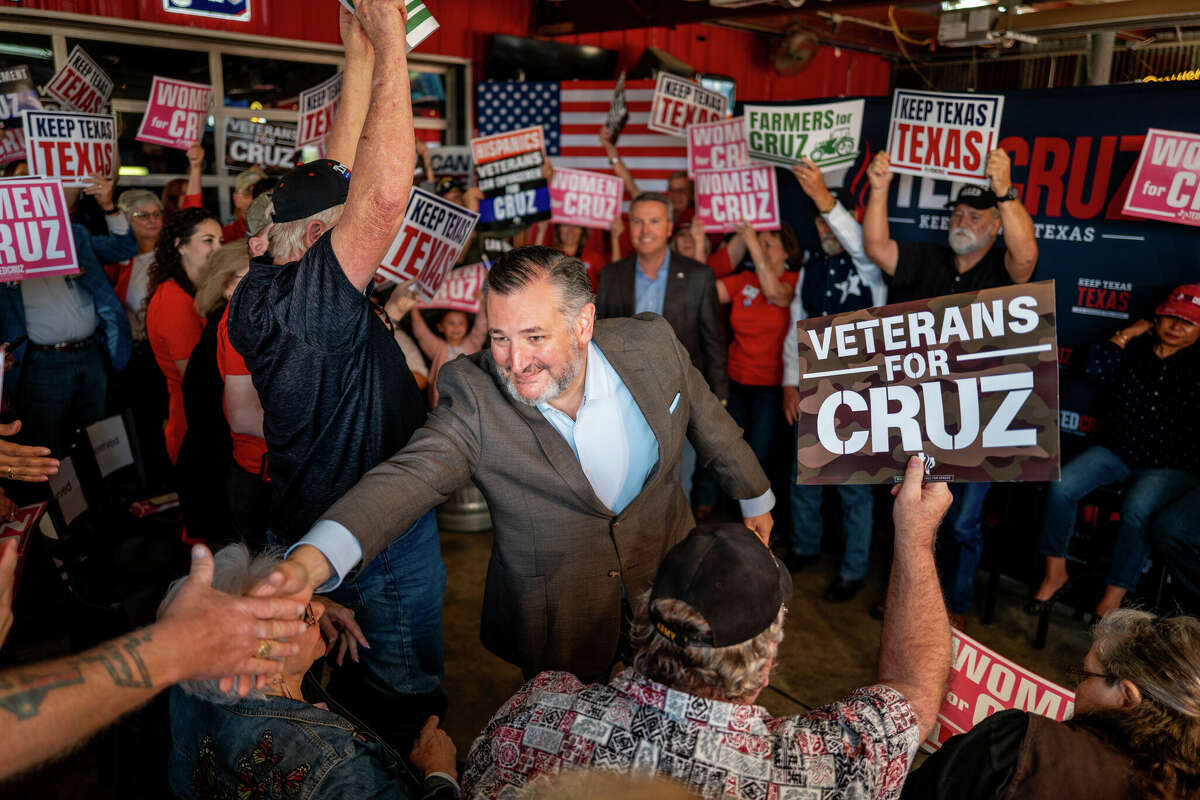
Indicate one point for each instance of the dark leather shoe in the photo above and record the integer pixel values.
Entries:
(795, 561)
(841, 590)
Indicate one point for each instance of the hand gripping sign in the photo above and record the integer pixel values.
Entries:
(828, 133)
(983, 682)
(968, 381)
(80, 85)
(587, 199)
(678, 103)
(318, 107)
(70, 146)
(35, 230)
(509, 169)
(420, 24)
(944, 135)
(729, 196)
(717, 145)
(1166, 181)
(431, 239)
(176, 114)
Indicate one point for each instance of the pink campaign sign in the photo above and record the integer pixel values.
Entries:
(717, 145)
(35, 231)
(587, 199)
(1166, 181)
(983, 682)
(460, 291)
(728, 196)
(176, 114)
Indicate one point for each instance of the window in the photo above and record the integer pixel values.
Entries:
(36, 52)
(269, 82)
(133, 67)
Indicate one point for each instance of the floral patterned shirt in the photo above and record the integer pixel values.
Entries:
(858, 747)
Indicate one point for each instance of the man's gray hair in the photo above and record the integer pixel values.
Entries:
(234, 572)
(286, 239)
(735, 671)
(132, 199)
(655, 197)
(523, 266)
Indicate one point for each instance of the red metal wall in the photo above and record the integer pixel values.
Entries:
(465, 25)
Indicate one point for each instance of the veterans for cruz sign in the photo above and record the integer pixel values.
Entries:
(717, 145)
(70, 146)
(509, 169)
(828, 133)
(35, 230)
(430, 240)
(176, 114)
(943, 135)
(729, 196)
(678, 103)
(587, 199)
(968, 381)
(1166, 181)
(80, 85)
(270, 145)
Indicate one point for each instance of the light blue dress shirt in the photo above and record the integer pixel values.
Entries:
(648, 295)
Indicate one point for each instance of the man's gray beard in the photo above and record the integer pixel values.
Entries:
(557, 386)
(831, 245)
(966, 241)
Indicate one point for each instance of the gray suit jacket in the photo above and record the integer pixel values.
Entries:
(690, 305)
(559, 557)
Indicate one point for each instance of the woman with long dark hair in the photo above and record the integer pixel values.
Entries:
(173, 326)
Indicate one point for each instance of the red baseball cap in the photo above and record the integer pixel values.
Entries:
(1183, 302)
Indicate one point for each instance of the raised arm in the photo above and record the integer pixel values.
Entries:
(618, 166)
(195, 157)
(775, 290)
(914, 653)
(426, 160)
(614, 238)
(881, 247)
(342, 141)
(1020, 241)
(386, 150)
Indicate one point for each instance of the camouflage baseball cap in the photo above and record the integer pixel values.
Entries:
(975, 197)
(258, 215)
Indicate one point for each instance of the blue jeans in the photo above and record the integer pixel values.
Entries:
(857, 523)
(757, 410)
(1149, 491)
(1176, 536)
(966, 528)
(60, 392)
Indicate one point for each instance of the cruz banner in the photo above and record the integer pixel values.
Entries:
(717, 145)
(17, 94)
(729, 196)
(967, 381)
(318, 107)
(80, 85)
(942, 134)
(678, 103)
(509, 169)
(983, 682)
(176, 114)
(460, 292)
(270, 145)
(828, 133)
(70, 146)
(1166, 181)
(35, 230)
(587, 199)
(431, 239)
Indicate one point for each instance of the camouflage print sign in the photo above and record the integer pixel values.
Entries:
(968, 381)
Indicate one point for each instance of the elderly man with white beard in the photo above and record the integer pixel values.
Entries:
(970, 261)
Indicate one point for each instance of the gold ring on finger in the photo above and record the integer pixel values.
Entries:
(264, 649)
(11, 475)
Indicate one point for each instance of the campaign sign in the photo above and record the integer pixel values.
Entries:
(110, 445)
(12, 145)
(70, 146)
(828, 133)
(618, 110)
(943, 135)
(454, 161)
(18, 528)
(80, 85)
(420, 23)
(717, 145)
(17, 93)
(270, 145)
(176, 114)
(35, 230)
(587, 199)
(1166, 181)
(318, 107)
(967, 381)
(729, 196)
(983, 682)
(236, 10)
(678, 103)
(509, 169)
(460, 292)
(431, 239)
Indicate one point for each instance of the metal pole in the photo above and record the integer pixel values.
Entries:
(1100, 56)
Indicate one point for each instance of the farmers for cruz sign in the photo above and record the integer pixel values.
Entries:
(35, 230)
(828, 133)
(176, 114)
(968, 381)
(1166, 181)
(943, 135)
(70, 146)
(678, 103)
(729, 196)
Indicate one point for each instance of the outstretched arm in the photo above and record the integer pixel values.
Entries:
(355, 98)
(881, 247)
(1020, 241)
(618, 166)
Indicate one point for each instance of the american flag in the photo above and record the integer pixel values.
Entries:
(572, 113)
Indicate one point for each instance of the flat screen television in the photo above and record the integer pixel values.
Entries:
(520, 58)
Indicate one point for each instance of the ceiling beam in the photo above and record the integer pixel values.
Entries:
(1104, 16)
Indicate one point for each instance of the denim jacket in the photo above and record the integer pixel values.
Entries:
(279, 748)
(112, 332)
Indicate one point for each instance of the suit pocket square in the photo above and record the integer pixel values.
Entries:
(674, 404)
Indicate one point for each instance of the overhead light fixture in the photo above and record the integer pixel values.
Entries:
(25, 51)
(132, 171)
(958, 5)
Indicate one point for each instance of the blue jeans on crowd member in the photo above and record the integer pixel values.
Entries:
(1148, 492)
(857, 523)
(1176, 537)
(59, 392)
(758, 410)
(966, 528)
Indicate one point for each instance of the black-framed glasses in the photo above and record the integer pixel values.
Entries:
(1079, 675)
(147, 215)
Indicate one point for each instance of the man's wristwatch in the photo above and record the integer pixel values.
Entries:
(1011, 194)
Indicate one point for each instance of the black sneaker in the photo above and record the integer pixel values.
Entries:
(841, 590)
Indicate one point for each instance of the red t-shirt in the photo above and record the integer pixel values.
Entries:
(248, 449)
(173, 328)
(759, 328)
(234, 231)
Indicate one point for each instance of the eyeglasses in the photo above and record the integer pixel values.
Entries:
(1079, 675)
(310, 618)
(147, 215)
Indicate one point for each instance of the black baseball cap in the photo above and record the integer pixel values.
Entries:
(310, 189)
(975, 197)
(729, 577)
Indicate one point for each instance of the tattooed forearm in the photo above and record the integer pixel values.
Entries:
(124, 664)
(32, 687)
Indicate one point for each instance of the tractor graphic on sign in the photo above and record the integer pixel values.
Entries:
(839, 145)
